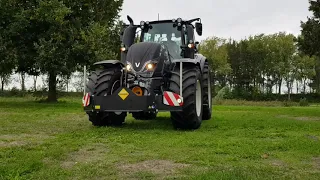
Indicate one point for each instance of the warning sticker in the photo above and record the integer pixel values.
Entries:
(123, 94)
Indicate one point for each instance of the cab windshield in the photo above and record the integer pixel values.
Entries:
(166, 34)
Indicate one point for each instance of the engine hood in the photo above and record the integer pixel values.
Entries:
(140, 53)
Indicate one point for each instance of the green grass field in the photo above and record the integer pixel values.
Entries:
(56, 141)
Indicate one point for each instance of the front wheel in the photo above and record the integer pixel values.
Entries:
(191, 116)
(103, 83)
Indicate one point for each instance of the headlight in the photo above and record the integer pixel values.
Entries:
(150, 66)
(128, 67)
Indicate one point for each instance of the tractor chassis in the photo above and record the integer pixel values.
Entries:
(124, 100)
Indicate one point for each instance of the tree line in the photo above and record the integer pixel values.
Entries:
(56, 37)
(262, 64)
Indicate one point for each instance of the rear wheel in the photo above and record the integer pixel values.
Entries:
(191, 116)
(207, 94)
(102, 83)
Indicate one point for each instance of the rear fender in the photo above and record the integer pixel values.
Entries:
(188, 61)
(199, 60)
(202, 60)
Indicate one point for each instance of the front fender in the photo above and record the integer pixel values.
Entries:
(202, 60)
(108, 62)
(185, 60)
(199, 60)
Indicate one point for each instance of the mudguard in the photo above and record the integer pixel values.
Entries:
(109, 62)
(199, 59)
(202, 59)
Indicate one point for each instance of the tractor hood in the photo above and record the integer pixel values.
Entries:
(140, 53)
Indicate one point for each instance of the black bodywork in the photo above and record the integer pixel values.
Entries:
(153, 82)
(140, 54)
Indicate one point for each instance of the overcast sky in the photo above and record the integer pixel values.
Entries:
(225, 18)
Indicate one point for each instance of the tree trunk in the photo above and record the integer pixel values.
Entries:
(289, 90)
(318, 82)
(2, 84)
(223, 83)
(35, 83)
(304, 86)
(23, 86)
(280, 82)
(67, 86)
(52, 96)
(297, 83)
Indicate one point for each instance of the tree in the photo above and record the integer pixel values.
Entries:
(4, 80)
(7, 62)
(285, 56)
(257, 60)
(7, 49)
(309, 40)
(57, 37)
(304, 69)
(215, 49)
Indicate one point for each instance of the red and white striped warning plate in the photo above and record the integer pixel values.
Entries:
(86, 100)
(172, 99)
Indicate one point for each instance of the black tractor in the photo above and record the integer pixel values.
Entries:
(160, 70)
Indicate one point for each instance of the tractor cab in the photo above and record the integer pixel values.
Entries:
(176, 35)
(164, 33)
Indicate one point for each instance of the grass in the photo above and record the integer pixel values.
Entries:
(234, 102)
(56, 141)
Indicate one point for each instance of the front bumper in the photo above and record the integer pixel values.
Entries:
(124, 100)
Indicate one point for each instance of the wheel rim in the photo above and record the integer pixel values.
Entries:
(198, 98)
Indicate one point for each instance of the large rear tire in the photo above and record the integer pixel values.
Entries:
(191, 116)
(207, 93)
(103, 83)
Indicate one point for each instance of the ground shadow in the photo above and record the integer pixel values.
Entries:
(158, 123)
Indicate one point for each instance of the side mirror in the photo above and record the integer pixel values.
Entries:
(130, 20)
(129, 36)
(199, 28)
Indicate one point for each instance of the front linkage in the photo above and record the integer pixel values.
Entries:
(125, 100)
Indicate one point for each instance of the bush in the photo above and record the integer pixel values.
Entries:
(220, 97)
(303, 102)
(288, 103)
